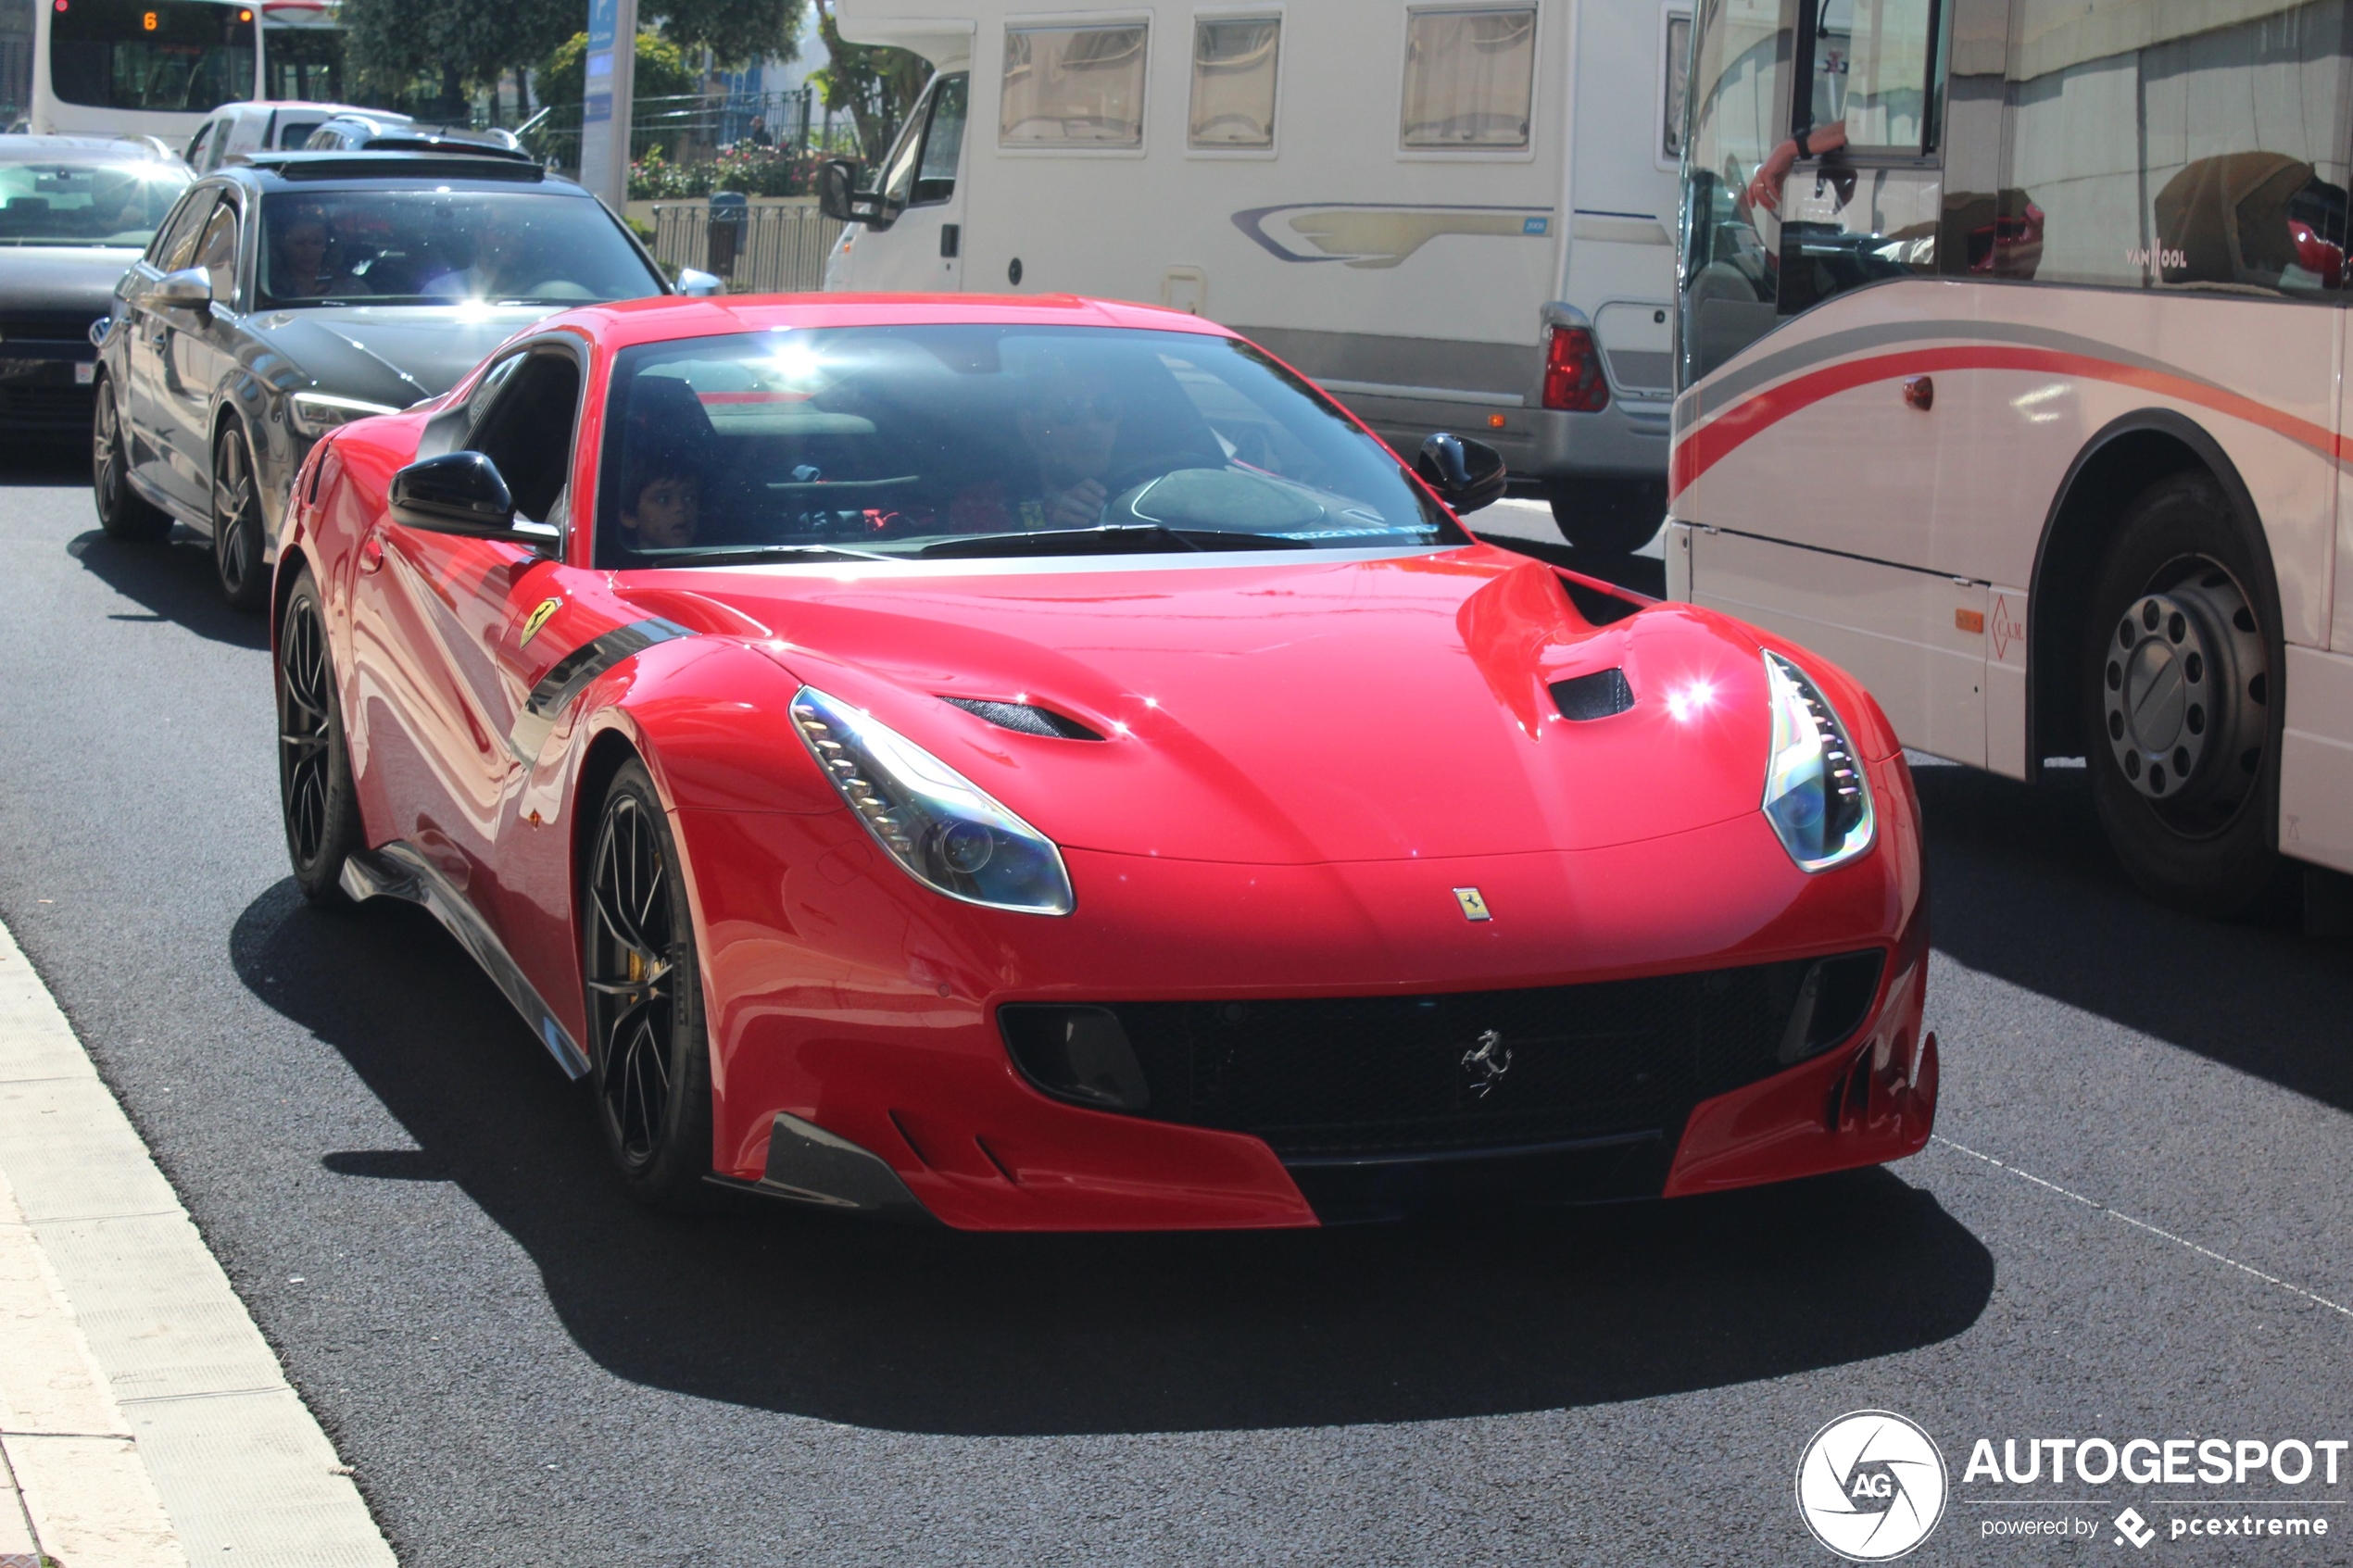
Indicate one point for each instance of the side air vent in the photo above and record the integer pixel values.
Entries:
(1597, 695)
(1025, 718)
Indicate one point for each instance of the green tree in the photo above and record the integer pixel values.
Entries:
(662, 71)
(874, 84)
(402, 52)
(736, 32)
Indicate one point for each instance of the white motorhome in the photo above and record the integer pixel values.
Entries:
(1452, 215)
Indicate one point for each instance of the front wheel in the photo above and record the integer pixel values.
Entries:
(648, 1056)
(315, 791)
(1608, 517)
(2180, 703)
(237, 545)
(122, 512)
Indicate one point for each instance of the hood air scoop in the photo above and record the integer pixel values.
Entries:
(1596, 695)
(1025, 719)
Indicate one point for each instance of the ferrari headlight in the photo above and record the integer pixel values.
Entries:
(1815, 795)
(939, 824)
(316, 413)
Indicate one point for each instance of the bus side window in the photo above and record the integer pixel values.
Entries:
(2200, 184)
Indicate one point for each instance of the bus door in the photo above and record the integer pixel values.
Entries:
(1813, 201)
(925, 251)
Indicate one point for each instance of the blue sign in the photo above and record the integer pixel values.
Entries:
(603, 19)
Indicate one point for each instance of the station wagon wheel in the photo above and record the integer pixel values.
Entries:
(122, 512)
(320, 804)
(648, 1055)
(236, 522)
(2181, 707)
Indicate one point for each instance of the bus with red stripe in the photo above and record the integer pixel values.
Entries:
(2009, 345)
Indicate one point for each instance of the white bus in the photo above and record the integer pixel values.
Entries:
(2009, 352)
(1453, 216)
(158, 68)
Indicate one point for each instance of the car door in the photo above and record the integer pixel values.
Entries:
(447, 647)
(151, 329)
(197, 348)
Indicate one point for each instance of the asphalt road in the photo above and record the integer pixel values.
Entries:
(525, 1369)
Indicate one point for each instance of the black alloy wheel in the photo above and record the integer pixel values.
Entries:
(2181, 709)
(237, 546)
(315, 790)
(647, 1054)
(122, 511)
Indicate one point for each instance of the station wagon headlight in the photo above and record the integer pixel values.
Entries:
(1816, 796)
(316, 413)
(943, 828)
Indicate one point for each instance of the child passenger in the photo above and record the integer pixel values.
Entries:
(660, 506)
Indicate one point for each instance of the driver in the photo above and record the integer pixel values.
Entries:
(496, 251)
(1069, 425)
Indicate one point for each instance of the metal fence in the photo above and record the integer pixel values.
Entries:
(693, 128)
(778, 249)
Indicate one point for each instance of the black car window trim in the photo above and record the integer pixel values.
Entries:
(566, 506)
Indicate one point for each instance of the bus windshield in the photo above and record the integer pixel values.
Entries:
(182, 56)
(303, 65)
(1729, 267)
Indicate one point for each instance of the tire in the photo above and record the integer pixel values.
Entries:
(122, 512)
(1608, 517)
(649, 1059)
(237, 543)
(2180, 708)
(316, 795)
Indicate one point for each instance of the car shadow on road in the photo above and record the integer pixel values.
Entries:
(919, 1329)
(2026, 890)
(174, 582)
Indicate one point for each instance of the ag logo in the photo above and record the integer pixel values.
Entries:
(1871, 1485)
(541, 613)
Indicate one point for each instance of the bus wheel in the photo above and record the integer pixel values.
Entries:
(2179, 703)
(1608, 517)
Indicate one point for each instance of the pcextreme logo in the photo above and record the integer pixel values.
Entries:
(1871, 1485)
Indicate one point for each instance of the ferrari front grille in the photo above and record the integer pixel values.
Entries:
(1400, 1077)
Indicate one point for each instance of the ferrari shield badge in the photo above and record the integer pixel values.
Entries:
(1474, 906)
(541, 614)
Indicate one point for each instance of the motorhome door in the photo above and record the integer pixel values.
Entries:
(922, 251)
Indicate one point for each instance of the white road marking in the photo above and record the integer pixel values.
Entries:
(177, 1397)
(2144, 1224)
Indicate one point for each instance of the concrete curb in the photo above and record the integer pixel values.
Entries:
(143, 1420)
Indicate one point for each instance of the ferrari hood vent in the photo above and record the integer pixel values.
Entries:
(1026, 718)
(1596, 695)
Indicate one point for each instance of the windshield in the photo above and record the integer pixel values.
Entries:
(434, 247)
(972, 439)
(87, 203)
(177, 55)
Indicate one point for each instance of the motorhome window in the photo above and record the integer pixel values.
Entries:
(186, 56)
(1234, 61)
(2181, 155)
(1872, 71)
(943, 142)
(969, 439)
(1674, 96)
(1073, 87)
(1469, 79)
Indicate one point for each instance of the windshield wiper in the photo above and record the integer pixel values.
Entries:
(754, 552)
(1112, 540)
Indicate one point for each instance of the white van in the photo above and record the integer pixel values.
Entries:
(1453, 216)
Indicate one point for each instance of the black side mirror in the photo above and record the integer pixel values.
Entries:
(1466, 474)
(462, 493)
(839, 198)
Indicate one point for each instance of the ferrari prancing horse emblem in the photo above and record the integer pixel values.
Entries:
(1474, 905)
(541, 614)
(1487, 1063)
